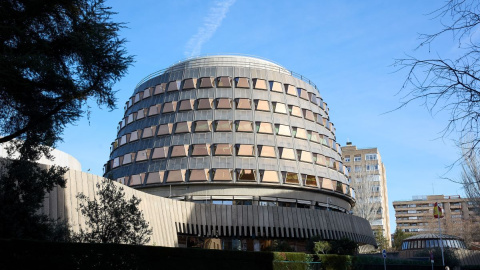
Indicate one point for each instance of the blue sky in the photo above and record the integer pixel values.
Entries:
(346, 48)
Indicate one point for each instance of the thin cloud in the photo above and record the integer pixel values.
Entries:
(211, 22)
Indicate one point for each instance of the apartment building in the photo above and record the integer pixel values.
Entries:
(416, 216)
(368, 178)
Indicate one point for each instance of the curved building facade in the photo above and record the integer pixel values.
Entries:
(232, 130)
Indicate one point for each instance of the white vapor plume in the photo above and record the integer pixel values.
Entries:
(211, 22)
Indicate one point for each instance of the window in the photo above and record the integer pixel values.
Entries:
(264, 127)
(266, 151)
(357, 158)
(173, 86)
(242, 82)
(327, 184)
(282, 130)
(259, 84)
(203, 126)
(204, 103)
(279, 108)
(372, 168)
(313, 136)
(222, 175)
(245, 175)
(183, 127)
(141, 114)
(299, 133)
(307, 114)
(269, 176)
(223, 125)
(189, 83)
(169, 107)
(224, 103)
(179, 151)
(160, 88)
(224, 82)
(286, 153)
(244, 126)
(309, 180)
(165, 129)
(206, 82)
(302, 93)
(200, 150)
(347, 158)
(143, 155)
(275, 86)
(290, 178)
(222, 149)
(370, 156)
(290, 89)
(295, 111)
(186, 105)
(245, 150)
(262, 105)
(148, 132)
(244, 104)
(198, 175)
(155, 109)
(176, 176)
(358, 168)
(160, 152)
(304, 156)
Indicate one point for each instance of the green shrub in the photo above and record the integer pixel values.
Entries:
(295, 260)
(334, 262)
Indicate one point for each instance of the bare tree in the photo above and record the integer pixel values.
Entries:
(367, 204)
(471, 177)
(451, 85)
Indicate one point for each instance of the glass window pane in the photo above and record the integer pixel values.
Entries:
(223, 125)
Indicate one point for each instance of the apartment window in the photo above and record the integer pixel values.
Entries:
(186, 105)
(204, 104)
(259, 84)
(347, 158)
(295, 111)
(358, 168)
(223, 125)
(286, 153)
(189, 83)
(245, 150)
(245, 175)
(165, 129)
(290, 178)
(242, 82)
(370, 156)
(290, 89)
(206, 82)
(307, 114)
(309, 180)
(304, 156)
(372, 168)
(299, 133)
(302, 93)
(282, 130)
(244, 104)
(269, 176)
(279, 107)
(266, 151)
(222, 175)
(357, 158)
(224, 82)
(264, 127)
(203, 126)
(275, 86)
(262, 105)
(222, 149)
(244, 126)
(327, 184)
(224, 103)
(183, 127)
(200, 150)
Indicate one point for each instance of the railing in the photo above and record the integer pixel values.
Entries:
(178, 66)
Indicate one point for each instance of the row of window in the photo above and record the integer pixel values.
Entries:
(368, 168)
(226, 126)
(241, 150)
(226, 103)
(359, 157)
(247, 175)
(433, 243)
(226, 82)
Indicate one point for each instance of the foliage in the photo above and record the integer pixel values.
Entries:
(55, 55)
(446, 84)
(398, 237)
(296, 260)
(110, 218)
(449, 256)
(23, 185)
(281, 245)
(322, 247)
(382, 242)
(343, 246)
(333, 261)
(310, 243)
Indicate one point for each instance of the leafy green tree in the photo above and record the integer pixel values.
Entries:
(322, 247)
(398, 237)
(382, 242)
(54, 56)
(22, 188)
(111, 218)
